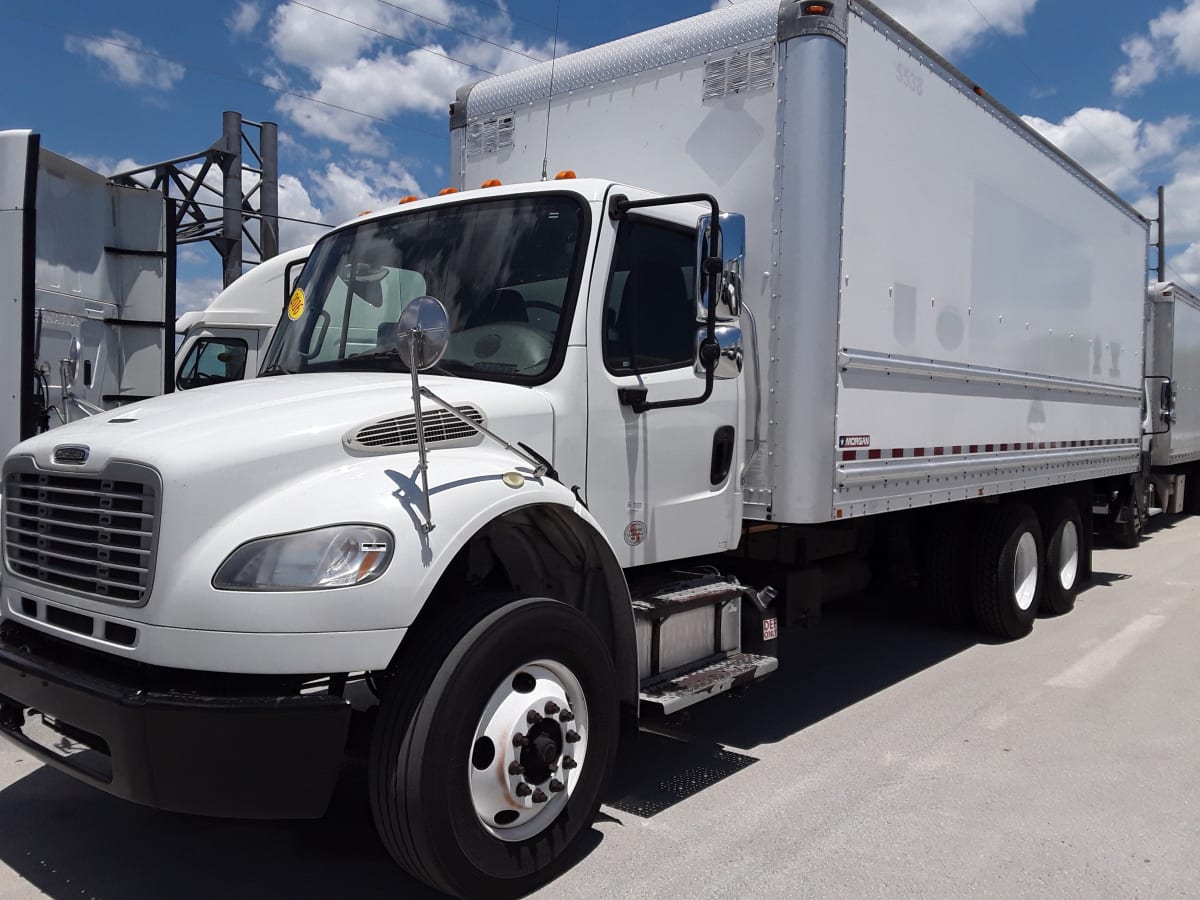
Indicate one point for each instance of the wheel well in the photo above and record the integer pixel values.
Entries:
(540, 551)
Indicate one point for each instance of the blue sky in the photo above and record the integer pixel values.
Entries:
(128, 82)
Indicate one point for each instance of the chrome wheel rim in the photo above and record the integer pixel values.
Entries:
(1068, 556)
(529, 750)
(1025, 575)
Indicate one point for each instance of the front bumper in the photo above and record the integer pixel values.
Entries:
(214, 745)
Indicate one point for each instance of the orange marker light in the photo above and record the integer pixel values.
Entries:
(565, 174)
(447, 191)
(411, 198)
(817, 9)
(365, 212)
(492, 182)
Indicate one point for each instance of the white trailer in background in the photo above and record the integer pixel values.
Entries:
(578, 512)
(1173, 396)
(227, 340)
(88, 267)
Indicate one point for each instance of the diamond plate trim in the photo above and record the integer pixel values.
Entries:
(749, 22)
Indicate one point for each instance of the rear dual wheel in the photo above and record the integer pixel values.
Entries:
(491, 748)
(1006, 570)
(1064, 555)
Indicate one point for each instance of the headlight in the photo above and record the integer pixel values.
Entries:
(338, 556)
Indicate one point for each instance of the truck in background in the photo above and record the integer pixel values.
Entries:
(91, 268)
(1173, 397)
(828, 310)
(226, 341)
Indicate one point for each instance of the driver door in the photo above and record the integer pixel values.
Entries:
(663, 484)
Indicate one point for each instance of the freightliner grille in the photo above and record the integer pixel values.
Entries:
(91, 535)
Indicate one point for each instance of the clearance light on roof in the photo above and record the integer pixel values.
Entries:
(565, 174)
(444, 192)
(411, 198)
(365, 212)
(492, 182)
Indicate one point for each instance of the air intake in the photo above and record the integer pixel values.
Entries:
(399, 433)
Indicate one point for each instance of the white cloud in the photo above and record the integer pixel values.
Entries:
(195, 293)
(954, 28)
(245, 18)
(1185, 268)
(1112, 146)
(1172, 41)
(400, 62)
(129, 60)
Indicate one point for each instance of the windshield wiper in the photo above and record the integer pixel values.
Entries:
(276, 369)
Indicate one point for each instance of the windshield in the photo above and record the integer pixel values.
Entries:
(507, 271)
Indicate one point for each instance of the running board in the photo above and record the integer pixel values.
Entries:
(689, 688)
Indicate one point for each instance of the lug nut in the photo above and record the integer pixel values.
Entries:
(555, 785)
(524, 790)
(539, 796)
(566, 716)
(533, 717)
(552, 708)
(515, 768)
(571, 737)
(568, 763)
(519, 740)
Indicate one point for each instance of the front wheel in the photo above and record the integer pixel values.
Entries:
(488, 760)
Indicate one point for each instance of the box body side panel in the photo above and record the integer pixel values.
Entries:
(991, 313)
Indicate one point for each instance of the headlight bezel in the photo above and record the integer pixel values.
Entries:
(264, 553)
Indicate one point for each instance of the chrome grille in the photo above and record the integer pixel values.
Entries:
(91, 535)
(400, 432)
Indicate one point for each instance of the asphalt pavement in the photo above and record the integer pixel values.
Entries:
(889, 757)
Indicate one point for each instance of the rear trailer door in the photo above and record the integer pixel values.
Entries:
(88, 268)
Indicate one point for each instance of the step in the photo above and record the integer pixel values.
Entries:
(689, 688)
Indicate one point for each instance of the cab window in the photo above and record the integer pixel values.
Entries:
(650, 309)
(212, 360)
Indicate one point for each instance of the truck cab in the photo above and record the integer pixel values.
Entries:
(187, 576)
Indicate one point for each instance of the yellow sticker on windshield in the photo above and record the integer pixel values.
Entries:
(296, 304)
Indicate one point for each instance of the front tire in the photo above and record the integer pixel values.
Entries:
(1007, 570)
(456, 802)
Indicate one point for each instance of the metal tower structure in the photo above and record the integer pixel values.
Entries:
(240, 211)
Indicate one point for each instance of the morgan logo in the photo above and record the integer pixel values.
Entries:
(73, 456)
(851, 441)
(635, 533)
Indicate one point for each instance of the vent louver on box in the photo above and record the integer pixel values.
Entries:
(400, 432)
(743, 70)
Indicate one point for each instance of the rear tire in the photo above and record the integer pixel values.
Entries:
(1064, 555)
(444, 799)
(1006, 569)
(1191, 491)
(945, 587)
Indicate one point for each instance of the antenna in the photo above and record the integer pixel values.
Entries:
(550, 96)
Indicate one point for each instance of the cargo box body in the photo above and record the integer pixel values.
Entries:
(946, 306)
(1173, 364)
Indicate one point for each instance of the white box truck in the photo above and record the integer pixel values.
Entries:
(534, 458)
(1173, 396)
(87, 267)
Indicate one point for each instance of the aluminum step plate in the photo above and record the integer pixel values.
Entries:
(690, 688)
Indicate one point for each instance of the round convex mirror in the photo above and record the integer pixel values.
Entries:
(422, 333)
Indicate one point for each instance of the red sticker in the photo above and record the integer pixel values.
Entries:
(770, 629)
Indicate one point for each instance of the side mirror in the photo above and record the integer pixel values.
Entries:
(726, 289)
(422, 333)
(729, 354)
